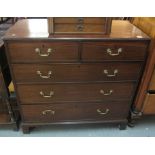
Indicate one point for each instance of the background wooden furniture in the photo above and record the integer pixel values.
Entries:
(9, 114)
(144, 102)
(61, 79)
(8, 109)
(79, 25)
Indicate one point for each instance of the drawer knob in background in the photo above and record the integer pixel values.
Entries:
(109, 51)
(45, 112)
(47, 96)
(80, 27)
(45, 76)
(110, 75)
(49, 50)
(80, 20)
(106, 94)
(103, 113)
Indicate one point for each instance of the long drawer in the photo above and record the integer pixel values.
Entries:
(43, 51)
(73, 20)
(72, 112)
(101, 51)
(47, 93)
(79, 28)
(76, 72)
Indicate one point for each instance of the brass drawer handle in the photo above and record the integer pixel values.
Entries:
(80, 27)
(103, 113)
(110, 75)
(49, 50)
(109, 51)
(45, 112)
(47, 96)
(106, 94)
(45, 76)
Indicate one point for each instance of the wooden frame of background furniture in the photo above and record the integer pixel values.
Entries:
(138, 105)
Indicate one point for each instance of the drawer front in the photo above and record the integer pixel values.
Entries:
(149, 104)
(101, 51)
(152, 83)
(79, 28)
(3, 107)
(74, 92)
(74, 20)
(76, 72)
(4, 118)
(73, 111)
(43, 51)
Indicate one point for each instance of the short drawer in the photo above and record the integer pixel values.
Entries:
(71, 112)
(149, 104)
(152, 82)
(79, 28)
(102, 51)
(74, 20)
(47, 93)
(77, 72)
(43, 51)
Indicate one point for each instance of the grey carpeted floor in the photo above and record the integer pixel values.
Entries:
(144, 127)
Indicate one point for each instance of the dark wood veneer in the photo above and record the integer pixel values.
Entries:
(73, 111)
(98, 51)
(77, 72)
(60, 51)
(74, 92)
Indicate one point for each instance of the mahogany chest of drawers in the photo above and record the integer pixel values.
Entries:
(75, 79)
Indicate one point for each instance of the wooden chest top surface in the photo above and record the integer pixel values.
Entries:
(38, 29)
